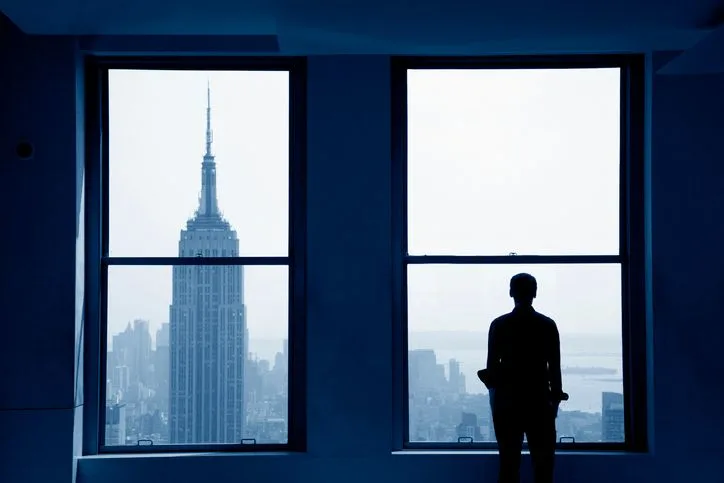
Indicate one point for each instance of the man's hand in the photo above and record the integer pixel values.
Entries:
(556, 402)
(556, 405)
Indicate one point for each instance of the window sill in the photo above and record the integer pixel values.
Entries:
(200, 454)
(494, 453)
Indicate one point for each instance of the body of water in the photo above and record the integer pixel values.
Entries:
(584, 389)
(581, 351)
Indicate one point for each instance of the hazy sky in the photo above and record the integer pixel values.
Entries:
(157, 141)
(523, 161)
(500, 161)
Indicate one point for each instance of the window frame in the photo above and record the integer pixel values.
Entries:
(631, 256)
(97, 259)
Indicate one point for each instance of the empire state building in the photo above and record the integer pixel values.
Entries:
(208, 325)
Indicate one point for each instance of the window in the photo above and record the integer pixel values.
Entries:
(513, 166)
(200, 254)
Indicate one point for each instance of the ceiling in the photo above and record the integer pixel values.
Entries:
(392, 26)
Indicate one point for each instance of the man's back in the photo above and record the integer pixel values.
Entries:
(524, 349)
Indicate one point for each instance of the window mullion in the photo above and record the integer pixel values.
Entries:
(196, 261)
(511, 259)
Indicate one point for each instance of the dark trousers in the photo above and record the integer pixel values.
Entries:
(537, 421)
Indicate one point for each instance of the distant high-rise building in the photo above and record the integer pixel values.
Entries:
(116, 425)
(121, 378)
(208, 325)
(468, 427)
(142, 353)
(162, 366)
(612, 418)
(425, 375)
(132, 348)
(163, 335)
(456, 378)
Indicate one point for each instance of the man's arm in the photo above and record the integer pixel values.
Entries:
(493, 355)
(554, 363)
(492, 363)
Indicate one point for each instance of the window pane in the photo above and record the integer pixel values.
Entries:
(450, 308)
(523, 161)
(175, 166)
(197, 354)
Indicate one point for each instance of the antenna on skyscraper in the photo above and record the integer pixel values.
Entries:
(209, 132)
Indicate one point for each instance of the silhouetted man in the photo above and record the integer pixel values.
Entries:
(525, 363)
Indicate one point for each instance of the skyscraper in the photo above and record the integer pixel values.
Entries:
(208, 324)
(129, 366)
(612, 417)
(162, 366)
(116, 425)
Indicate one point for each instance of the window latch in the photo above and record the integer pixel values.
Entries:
(146, 442)
(465, 439)
(248, 441)
(566, 439)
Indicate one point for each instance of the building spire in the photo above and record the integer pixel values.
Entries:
(208, 204)
(209, 132)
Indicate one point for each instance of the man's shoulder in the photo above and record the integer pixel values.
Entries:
(501, 322)
(546, 320)
(500, 319)
(544, 317)
(503, 319)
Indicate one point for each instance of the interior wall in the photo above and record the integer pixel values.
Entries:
(39, 354)
(687, 196)
(349, 300)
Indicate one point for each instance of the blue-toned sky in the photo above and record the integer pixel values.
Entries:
(500, 161)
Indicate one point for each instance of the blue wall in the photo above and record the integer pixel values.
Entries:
(688, 233)
(349, 276)
(40, 401)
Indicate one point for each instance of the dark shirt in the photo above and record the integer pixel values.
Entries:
(524, 350)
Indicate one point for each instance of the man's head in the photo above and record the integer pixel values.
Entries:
(523, 288)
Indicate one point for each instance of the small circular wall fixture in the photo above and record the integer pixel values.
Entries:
(24, 150)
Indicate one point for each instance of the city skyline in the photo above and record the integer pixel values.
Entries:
(212, 325)
(442, 408)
